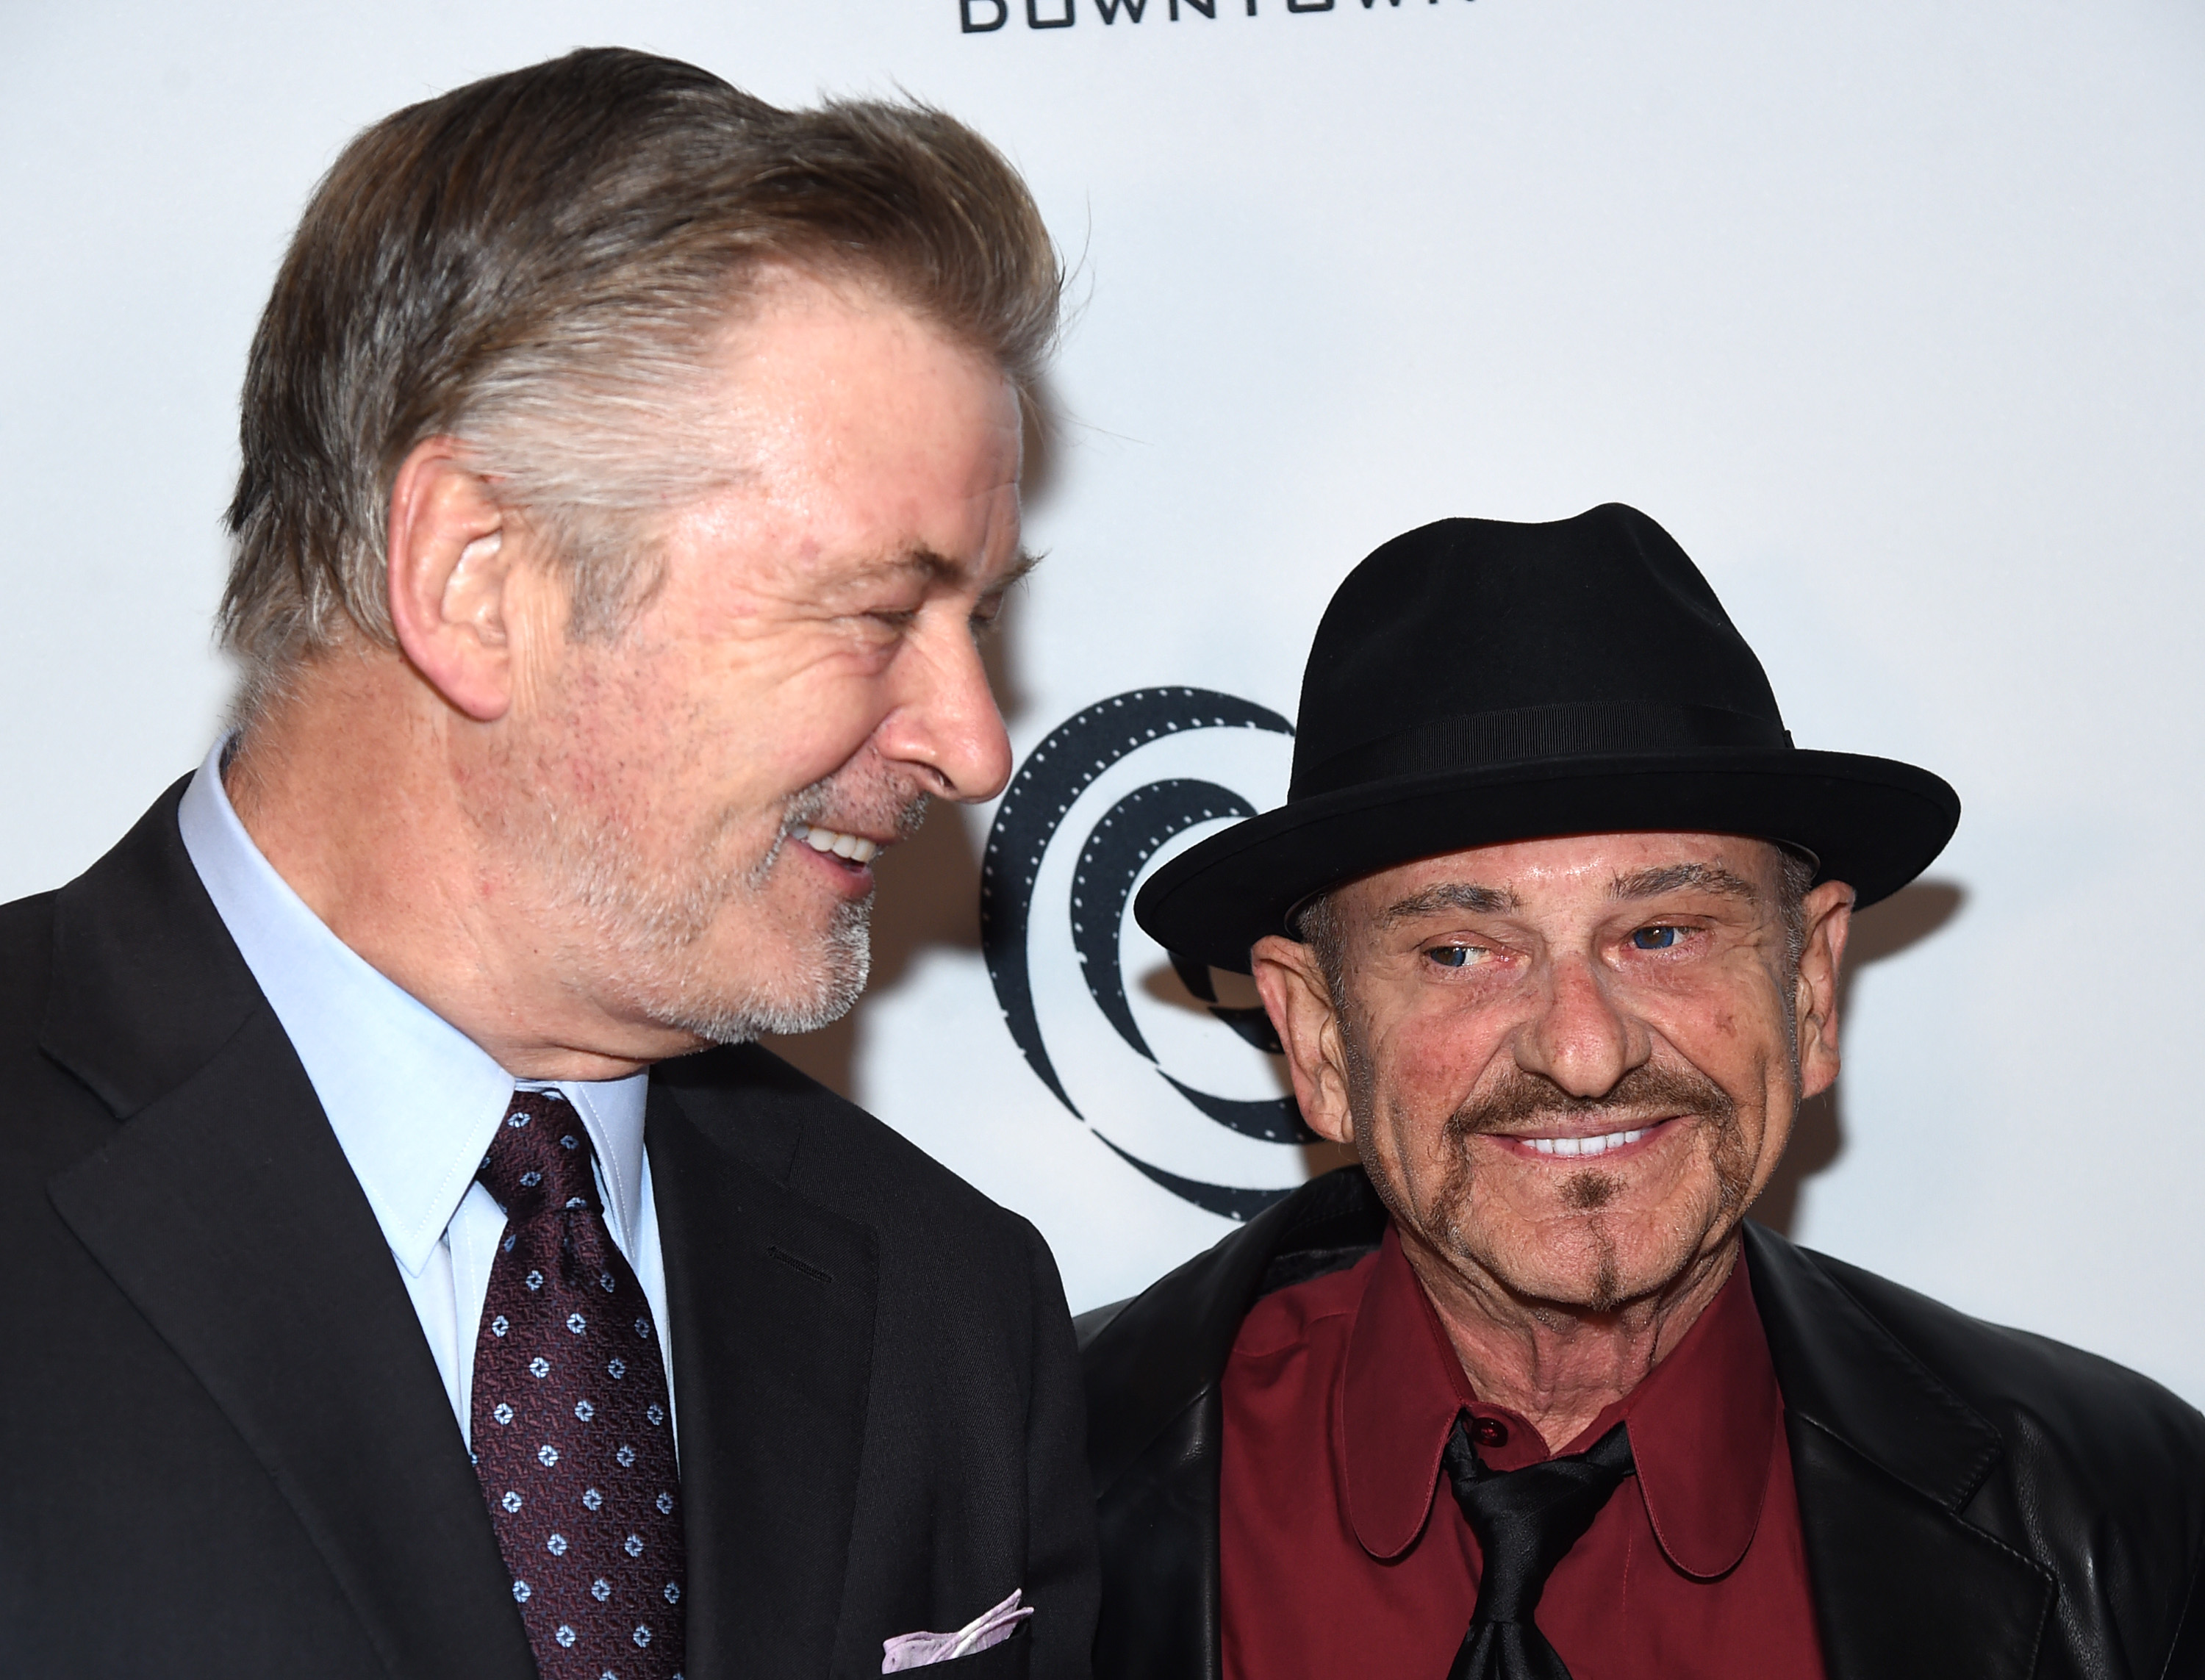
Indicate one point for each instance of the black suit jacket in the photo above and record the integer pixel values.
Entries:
(225, 1450)
(1977, 1504)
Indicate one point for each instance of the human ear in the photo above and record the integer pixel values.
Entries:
(1299, 1003)
(451, 571)
(1828, 912)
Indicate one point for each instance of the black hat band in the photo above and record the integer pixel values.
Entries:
(1527, 733)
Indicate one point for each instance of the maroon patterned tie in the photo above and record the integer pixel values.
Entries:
(574, 1440)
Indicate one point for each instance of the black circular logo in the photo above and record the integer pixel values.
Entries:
(1041, 903)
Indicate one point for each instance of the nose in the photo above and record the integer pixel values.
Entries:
(946, 725)
(1580, 1038)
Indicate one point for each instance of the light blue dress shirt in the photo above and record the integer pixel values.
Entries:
(413, 1101)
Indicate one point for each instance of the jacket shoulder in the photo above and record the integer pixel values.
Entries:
(828, 1148)
(30, 916)
(27, 947)
(2042, 1396)
(2092, 1473)
(48, 1120)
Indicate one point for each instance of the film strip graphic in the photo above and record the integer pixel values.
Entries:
(1113, 851)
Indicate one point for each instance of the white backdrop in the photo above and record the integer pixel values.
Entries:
(1893, 312)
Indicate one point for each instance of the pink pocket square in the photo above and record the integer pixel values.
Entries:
(923, 1650)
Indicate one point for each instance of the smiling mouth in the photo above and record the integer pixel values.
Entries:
(1583, 1148)
(850, 848)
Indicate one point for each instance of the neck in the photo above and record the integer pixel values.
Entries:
(367, 794)
(1559, 1366)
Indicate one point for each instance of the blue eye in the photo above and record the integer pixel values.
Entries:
(1655, 939)
(1450, 956)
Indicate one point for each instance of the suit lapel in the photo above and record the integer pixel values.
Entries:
(1884, 1458)
(772, 1301)
(224, 1209)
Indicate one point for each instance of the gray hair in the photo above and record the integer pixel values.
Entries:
(539, 265)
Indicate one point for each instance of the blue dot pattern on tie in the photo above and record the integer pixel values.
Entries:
(574, 1442)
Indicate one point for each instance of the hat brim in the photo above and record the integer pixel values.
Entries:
(1873, 823)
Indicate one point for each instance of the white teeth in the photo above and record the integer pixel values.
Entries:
(858, 851)
(1586, 1146)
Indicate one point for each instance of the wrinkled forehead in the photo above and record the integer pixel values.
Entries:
(1568, 873)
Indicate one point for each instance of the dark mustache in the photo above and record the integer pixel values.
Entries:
(1525, 1099)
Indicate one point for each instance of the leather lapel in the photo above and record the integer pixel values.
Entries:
(1884, 1457)
(772, 1301)
(1155, 1421)
(225, 1211)
(1170, 1344)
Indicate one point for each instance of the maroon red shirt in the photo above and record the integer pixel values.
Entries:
(1344, 1551)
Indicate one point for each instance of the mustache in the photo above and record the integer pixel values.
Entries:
(1524, 1099)
(896, 811)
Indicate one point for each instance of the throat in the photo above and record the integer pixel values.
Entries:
(1559, 1364)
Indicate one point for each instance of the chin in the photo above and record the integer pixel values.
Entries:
(1588, 1260)
(720, 999)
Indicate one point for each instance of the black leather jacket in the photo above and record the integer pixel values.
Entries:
(1978, 1504)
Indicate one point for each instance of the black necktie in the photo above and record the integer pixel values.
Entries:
(573, 1439)
(1525, 1521)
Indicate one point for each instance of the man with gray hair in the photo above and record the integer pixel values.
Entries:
(627, 467)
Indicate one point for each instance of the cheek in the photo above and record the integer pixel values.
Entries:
(818, 726)
(780, 712)
(746, 664)
(1428, 1066)
(594, 715)
(1731, 1032)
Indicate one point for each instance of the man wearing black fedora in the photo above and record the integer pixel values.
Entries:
(1550, 928)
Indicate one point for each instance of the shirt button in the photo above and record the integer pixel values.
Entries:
(1488, 1431)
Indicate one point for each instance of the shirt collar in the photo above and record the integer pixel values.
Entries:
(1703, 1423)
(413, 1101)
(1401, 1389)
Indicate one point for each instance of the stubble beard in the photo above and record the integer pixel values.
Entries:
(649, 923)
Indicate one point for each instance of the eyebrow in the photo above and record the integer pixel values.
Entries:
(1449, 896)
(1684, 877)
(1021, 569)
(940, 571)
(935, 568)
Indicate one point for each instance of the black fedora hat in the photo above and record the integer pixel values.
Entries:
(1475, 682)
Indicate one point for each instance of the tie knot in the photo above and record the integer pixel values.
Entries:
(1527, 1520)
(539, 1160)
